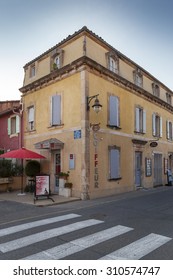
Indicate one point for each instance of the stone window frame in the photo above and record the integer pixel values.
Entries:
(114, 56)
(156, 89)
(137, 75)
(59, 53)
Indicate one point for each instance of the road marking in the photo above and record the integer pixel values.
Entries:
(139, 248)
(31, 239)
(80, 244)
(14, 229)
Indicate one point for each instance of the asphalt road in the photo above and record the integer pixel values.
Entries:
(136, 225)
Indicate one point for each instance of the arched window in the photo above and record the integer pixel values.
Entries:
(112, 62)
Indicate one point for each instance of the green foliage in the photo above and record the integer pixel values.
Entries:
(30, 188)
(5, 168)
(64, 174)
(68, 185)
(17, 169)
(9, 169)
(32, 168)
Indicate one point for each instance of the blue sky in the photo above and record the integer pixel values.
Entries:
(140, 29)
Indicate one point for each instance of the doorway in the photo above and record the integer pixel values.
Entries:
(57, 168)
(138, 169)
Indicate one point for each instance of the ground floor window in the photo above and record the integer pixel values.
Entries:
(114, 162)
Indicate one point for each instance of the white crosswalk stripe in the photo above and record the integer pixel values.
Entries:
(14, 229)
(31, 239)
(139, 248)
(80, 244)
(132, 251)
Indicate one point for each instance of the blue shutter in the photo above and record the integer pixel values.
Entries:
(114, 163)
(56, 110)
(114, 111)
(144, 121)
(160, 134)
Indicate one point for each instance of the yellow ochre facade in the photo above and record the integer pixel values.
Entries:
(127, 145)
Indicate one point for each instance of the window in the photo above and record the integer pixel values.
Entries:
(32, 71)
(114, 112)
(156, 90)
(140, 120)
(114, 163)
(31, 118)
(169, 130)
(13, 125)
(157, 125)
(112, 62)
(168, 98)
(56, 110)
(57, 62)
(138, 79)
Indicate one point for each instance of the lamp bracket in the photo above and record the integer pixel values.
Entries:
(89, 98)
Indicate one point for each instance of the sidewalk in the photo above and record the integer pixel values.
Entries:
(28, 198)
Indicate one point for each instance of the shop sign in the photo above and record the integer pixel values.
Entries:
(96, 176)
(153, 144)
(42, 188)
(42, 185)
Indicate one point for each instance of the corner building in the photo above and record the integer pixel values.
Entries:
(127, 145)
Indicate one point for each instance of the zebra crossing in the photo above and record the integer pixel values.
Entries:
(133, 251)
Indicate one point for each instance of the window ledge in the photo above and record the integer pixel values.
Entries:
(30, 131)
(139, 132)
(114, 179)
(14, 135)
(170, 140)
(113, 126)
(53, 126)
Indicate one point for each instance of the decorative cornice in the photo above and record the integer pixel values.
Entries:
(102, 42)
(84, 61)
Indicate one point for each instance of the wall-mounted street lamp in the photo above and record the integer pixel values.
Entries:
(97, 106)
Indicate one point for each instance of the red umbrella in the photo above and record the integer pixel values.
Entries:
(22, 153)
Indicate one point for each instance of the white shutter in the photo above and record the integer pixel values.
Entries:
(167, 130)
(31, 114)
(144, 121)
(154, 124)
(17, 124)
(9, 126)
(160, 134)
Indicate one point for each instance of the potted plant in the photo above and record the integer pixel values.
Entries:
(32, 168)
(68, 185)
(64, 175)
(65, 187)
(54, 66)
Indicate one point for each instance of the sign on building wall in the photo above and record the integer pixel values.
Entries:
(77, 134)
(148, 167)
(71, 161)
(96, 176)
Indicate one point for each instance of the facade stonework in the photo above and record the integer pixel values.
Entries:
(133, 146)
